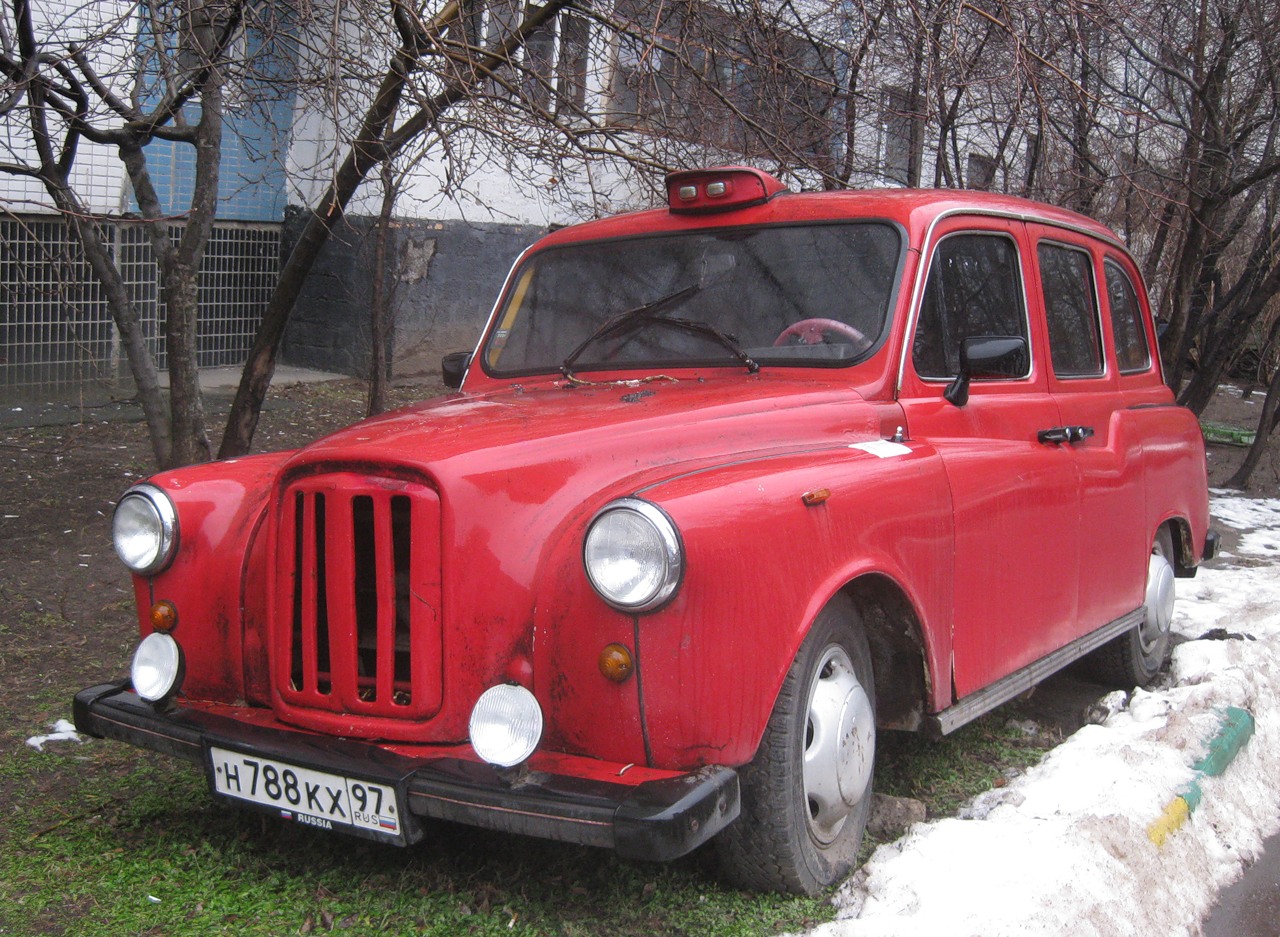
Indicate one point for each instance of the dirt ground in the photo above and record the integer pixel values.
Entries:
(1233, 408)
(66, 605)
(67, 619)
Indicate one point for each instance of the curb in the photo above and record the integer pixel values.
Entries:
(1235, 730)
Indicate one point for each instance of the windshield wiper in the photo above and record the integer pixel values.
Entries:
(649, 313)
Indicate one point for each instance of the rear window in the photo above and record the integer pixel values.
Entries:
(1132, 352)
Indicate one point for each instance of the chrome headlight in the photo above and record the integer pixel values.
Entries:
(157, 667)
(506, 725)
(144, 529)
(633, 556)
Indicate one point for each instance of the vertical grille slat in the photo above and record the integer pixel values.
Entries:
(320, 634)
(310, 664)
(386, 579)
(402, 636)
(359, 591)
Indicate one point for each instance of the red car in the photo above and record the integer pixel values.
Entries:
(725, 488)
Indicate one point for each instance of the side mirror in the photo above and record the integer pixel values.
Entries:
(453, 368)
(987, 356)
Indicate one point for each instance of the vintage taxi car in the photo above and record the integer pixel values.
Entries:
(726, 488)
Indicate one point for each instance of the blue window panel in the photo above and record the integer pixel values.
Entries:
(255, 136)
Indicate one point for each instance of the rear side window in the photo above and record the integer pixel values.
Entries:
(974, 288)
(1132, 352)
(1071, 307)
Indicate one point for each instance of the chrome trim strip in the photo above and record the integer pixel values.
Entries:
(1018, 682)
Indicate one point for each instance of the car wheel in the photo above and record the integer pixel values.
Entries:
(807, 793)
(1134, 658)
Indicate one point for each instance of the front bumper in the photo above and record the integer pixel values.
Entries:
(655, 819)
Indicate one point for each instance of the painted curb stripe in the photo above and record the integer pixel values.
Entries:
(1235, 730)
(1175, 813)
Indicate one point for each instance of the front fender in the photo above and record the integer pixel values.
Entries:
(760, 565)
(219, 506)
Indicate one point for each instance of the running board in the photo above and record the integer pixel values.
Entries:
(1020, 681)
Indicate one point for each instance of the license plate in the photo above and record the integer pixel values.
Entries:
(307, 796)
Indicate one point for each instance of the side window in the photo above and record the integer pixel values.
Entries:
(1071, 308)
(974, 288)
(1132, 352)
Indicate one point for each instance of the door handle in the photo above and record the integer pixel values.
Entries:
(1067, 434)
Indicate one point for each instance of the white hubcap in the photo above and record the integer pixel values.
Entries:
(1159, 602)
(840, 737)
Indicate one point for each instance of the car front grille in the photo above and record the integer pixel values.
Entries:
(357, 597)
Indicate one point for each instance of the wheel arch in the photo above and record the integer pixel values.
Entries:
(898, 658)
(1185, 558)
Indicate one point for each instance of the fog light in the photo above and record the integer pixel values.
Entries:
(616, 662)
(157, 667)
(164, 616)
(506, 725)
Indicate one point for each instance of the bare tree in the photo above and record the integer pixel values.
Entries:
(383, 133)
(66, 100)
(168, 83)
(1159, 119)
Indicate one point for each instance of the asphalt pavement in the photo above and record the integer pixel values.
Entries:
(1251, 907)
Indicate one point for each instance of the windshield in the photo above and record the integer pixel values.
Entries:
(805, 295)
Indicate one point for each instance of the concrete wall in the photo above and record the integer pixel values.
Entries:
(447, 276)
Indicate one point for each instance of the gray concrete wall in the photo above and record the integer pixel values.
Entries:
(447, 275)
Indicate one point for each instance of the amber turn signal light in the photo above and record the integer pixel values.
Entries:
(616, 662)
(164, 616)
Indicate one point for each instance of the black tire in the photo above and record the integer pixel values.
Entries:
(801, 828)
(1134, 658)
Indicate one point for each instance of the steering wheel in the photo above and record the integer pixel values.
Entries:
(812, 332)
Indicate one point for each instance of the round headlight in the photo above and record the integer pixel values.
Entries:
(632, 555)
(144, 529)
(157, 667)
(506, 725)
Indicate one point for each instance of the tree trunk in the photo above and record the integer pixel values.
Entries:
(382, 300)
(125, 315)
(1266, 425)
(186, 405)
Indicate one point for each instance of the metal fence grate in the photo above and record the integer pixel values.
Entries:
(57, 336)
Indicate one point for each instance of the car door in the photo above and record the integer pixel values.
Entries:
(1094, 428)
(1014, 498)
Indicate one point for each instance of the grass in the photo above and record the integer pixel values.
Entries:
(145, 850)
(944, 773)
(104, 840)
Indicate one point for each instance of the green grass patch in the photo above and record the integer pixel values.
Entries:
(148, 851)
(103, 840)
(945, 773)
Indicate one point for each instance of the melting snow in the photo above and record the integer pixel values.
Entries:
(63, 731)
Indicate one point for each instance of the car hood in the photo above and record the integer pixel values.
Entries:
(533, 442)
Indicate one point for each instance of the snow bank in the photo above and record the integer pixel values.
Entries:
(1064, 848)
